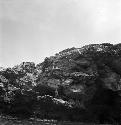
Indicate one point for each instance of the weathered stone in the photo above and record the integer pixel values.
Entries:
(85, 81)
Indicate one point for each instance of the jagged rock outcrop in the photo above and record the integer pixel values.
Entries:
(85, 81)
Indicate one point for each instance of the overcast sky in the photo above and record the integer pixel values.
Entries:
(31, 30)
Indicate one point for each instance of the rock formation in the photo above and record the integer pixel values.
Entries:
(76, 84)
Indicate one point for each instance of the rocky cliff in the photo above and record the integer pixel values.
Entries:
(76, 84)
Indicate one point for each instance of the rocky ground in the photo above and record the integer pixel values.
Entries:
(76, 84)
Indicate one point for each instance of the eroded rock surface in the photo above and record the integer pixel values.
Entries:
(83, 81)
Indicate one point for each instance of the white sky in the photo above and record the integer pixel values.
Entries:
(31, 30)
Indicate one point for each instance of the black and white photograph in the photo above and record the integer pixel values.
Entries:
(60, 62)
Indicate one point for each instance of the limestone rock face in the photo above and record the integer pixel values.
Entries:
(85, 81)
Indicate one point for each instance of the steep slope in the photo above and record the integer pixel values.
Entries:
(83, 81)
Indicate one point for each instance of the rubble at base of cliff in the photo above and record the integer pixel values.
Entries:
(76, 84)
